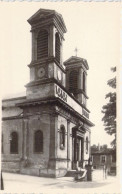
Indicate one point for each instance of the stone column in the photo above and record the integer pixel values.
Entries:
(80, 79)
(80, 85)
(61, 51)
(84, 150)
(25, 139)
(89, 145)
(79, 149)
(75, 150)
(34, 46)
(53, 140)
(51, 42)
(68, 143)
(85, 83)
(73, 143)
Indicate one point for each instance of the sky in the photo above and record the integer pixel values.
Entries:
(94, 28)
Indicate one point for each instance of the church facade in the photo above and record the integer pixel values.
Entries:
(47, 131)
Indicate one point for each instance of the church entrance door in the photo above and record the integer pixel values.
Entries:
(77, 150)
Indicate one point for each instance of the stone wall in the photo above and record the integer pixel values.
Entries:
(39, 123)
(11, 161)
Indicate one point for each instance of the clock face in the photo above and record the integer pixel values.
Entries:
(41, 72)
(59, 75)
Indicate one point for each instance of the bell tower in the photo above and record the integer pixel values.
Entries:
(76, 78)
(46, 67)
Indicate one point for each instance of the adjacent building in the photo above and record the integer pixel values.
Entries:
(47, 131)
(103, 157)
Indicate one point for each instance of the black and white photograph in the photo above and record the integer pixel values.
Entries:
(60, 64)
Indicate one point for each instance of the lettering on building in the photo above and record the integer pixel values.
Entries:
(85, 113)
(61, 94)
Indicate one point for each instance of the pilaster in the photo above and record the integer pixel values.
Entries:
(68, 143)
(79, 149)
(34, 46)
(85, 83)
(25, 139)
(51, 42)
(53, 140)
(61, 52)
(80, 79)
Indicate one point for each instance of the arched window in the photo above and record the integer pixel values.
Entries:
(38, 141)
(42, 44)
(84, 82)
(87, 145)
(62, 137)
(14, 143)
(73, 82)
(57, 47)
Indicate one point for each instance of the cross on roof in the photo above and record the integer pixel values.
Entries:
(76, 51)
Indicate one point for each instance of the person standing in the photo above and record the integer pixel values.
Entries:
(105, 171)
(2, 186)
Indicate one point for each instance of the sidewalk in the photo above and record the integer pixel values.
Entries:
(25, 183)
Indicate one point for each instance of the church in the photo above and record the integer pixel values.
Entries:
(47, 132)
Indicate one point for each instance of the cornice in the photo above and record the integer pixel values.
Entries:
(52, 80)
(54, 101)
(46, 23)
(46, 61)
(76, 60)
(12, 118)
(49, 18)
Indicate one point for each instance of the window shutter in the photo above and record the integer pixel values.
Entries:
(42, 44)
(73, 81)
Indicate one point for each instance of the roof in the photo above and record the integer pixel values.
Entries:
(75, 59)
(14, 96)
(102, 151)
(42, 14)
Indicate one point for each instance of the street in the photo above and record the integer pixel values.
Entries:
(25, 183)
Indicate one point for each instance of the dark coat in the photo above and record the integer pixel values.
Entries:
(2, 186)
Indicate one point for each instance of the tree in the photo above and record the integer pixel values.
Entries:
(109, 110)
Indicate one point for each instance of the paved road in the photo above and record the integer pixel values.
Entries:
(24, 183)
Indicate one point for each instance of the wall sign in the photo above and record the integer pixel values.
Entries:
(61, 94)
(86, 114)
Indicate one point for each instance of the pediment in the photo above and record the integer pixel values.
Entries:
(75, 60)
(46, 13)
(41, 13)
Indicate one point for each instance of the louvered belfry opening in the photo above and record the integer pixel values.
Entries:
(73, 82)
(57, 47)
(42, 44)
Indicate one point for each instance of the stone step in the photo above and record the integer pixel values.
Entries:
(74, 173)
(70, 173)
